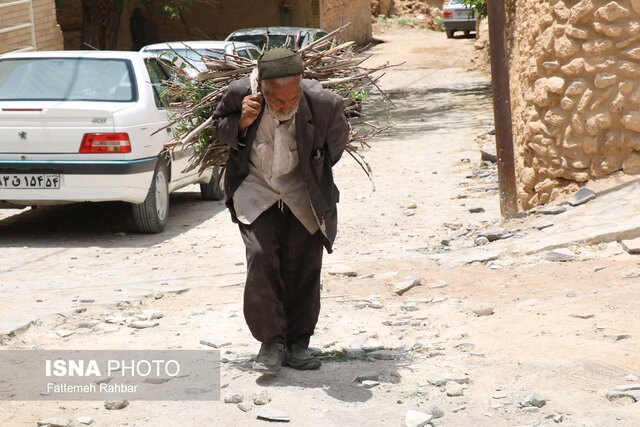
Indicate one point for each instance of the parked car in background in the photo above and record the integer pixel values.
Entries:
(458, 17)
(190, 53)
(277, 36)
(80, 126)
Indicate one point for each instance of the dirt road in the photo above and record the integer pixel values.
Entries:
(508, 328)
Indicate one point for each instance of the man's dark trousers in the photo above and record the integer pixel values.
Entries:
(282, 291)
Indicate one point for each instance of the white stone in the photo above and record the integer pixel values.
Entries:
(417, 419)
(560, 255)
(272, 415)
(409, 306)
(454, 389)
(408, 283)
(143, 324)
(261, 398)
(545, 223)
(631, 378)
(245, 407)
(443, 377)
(215, 342)
(582, 315)
(55, 422)
(233, 397)
(617, 337)
(631, 246)
(64, 332)
(484, 312)
(342, 270)
(85, 420)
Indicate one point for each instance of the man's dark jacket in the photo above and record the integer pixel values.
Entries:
(321, 132)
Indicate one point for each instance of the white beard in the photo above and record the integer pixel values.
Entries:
(282, 116)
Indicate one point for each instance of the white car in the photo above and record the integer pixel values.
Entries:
(190, 53)
(78, 126)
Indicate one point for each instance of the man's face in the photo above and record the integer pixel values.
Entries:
(283, 95)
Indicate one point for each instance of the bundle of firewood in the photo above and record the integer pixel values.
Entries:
(338, 66)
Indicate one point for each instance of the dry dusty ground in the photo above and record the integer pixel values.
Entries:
(530, 344)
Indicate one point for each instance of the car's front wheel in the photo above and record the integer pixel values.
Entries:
(151, 215)
(213, 190)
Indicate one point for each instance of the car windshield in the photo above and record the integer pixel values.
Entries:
(275, 40)
(192, 56)
(66, 79)
(455, 3)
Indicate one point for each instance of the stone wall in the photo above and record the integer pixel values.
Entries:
(575, 91)
(215, 19)
(47, 30)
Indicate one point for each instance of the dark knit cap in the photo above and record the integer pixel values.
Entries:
(279, 62)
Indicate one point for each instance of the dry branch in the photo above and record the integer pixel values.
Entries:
(338, 67)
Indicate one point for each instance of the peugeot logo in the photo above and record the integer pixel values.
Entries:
(23, 135)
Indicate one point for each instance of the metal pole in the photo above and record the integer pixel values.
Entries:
(502, 109)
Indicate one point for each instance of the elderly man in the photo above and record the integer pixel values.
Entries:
(279, 189)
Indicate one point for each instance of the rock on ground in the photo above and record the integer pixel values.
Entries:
(560, 255)
(233, 397)
(261, 398)
(113, 405)
(631, 246)
(342, 270)
(582, 196)
(417, 419)
(408, 283)
(433, 409)
(443, 377)
(454, 389)
(272, 415)
(55, 422)
(215, 342)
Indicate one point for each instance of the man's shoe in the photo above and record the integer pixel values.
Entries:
(270, 357)
(300, 358)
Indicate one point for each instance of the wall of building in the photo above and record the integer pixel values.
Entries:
(215, 19)
(48, 33)
(575, 91)
(338, 12)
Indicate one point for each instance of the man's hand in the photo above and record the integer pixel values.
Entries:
(251, 107)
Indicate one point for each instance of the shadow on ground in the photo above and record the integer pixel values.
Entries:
(337, 379)
(440, 109)
(101, 224)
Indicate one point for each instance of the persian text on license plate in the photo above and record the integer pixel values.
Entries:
(30, 180)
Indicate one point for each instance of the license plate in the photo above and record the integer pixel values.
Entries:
(462, 15)
(30, 180)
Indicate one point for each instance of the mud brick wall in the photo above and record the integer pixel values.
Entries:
(575, 70)
(48, 34)
(215, 19)
(358, 12)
